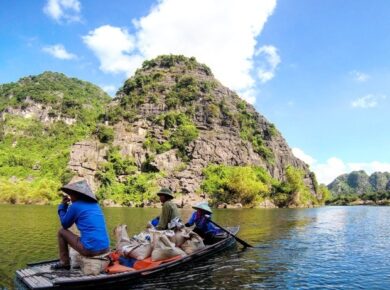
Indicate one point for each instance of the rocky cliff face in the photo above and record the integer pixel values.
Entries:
(359, 182)
(167, 124)
(43, 113)
(175, 118)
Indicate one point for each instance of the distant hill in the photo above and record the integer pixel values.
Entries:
(359, 182)
(171, 124)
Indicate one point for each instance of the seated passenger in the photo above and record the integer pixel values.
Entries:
(169, 209)
(203, 226)
(153, 223)
(89, 219)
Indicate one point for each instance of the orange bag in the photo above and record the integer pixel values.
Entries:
(148, 263)
(118, 268)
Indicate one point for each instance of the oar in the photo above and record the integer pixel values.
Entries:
(242, 242)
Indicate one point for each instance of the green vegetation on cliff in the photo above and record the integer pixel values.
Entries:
(179, 131)
(250, 132)
(172, 105)
(67, 97)
(34, 154)
(134, 190)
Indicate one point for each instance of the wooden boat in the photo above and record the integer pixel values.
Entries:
(40, 276)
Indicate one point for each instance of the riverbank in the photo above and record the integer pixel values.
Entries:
(357, 202)
(107, 203)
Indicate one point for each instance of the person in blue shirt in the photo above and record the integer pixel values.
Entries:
(203, 227)
(89, 219)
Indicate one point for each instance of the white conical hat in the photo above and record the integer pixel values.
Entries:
(203, 206)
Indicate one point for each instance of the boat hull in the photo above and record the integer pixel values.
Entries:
(37, 276)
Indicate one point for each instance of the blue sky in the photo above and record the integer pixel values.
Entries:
(319, 70)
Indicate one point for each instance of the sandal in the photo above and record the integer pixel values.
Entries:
(59, 266)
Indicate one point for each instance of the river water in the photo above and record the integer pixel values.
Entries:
(321, 248)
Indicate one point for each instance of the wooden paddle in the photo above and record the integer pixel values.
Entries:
(242, 242)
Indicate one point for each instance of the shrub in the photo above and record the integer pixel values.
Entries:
(301, 194)
(235, 184)
(37, 191)
(183, 136)
(153, 145)
(325, 194)
(104, 133)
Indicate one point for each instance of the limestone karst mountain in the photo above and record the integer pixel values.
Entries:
(171, 124)
(359, 182)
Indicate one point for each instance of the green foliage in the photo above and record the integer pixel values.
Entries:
(249, 131)
(121, 165)
(43, 191)
(186, 90)
(241, 106)
(140, 188)
(66, 176)
(115, 166)
(179, 131)
(249, 184)
(153, 84)
(34, 155)
(104, 133)
(32, 149)
(235, 184)
(301, 194)
(153, 145)
(378, 197)
(121, 182)
(172, 119)
(212, 110)
(168, 61)
(271, 130)
(358, 182)
(69, 97)
(183, 135)
(344, 199)
(325, 194)
(116, 113)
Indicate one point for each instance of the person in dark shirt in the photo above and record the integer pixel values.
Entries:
(203, 227)
(89, 219)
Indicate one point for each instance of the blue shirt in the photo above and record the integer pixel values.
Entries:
(203, 223)
(89, 220)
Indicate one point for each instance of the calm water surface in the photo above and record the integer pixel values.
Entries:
(323, 248)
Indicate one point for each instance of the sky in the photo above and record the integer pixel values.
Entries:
(319, 70)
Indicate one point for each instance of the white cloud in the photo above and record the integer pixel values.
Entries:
(113, 47)
(328, 171)
(109, 89)
(371, 166)
(59, 10)
(359, 76)
(219, 34)
(368, 101)
(248, 95)
(334, 167)
(59, 51)
(303, 156)
(269, 63)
